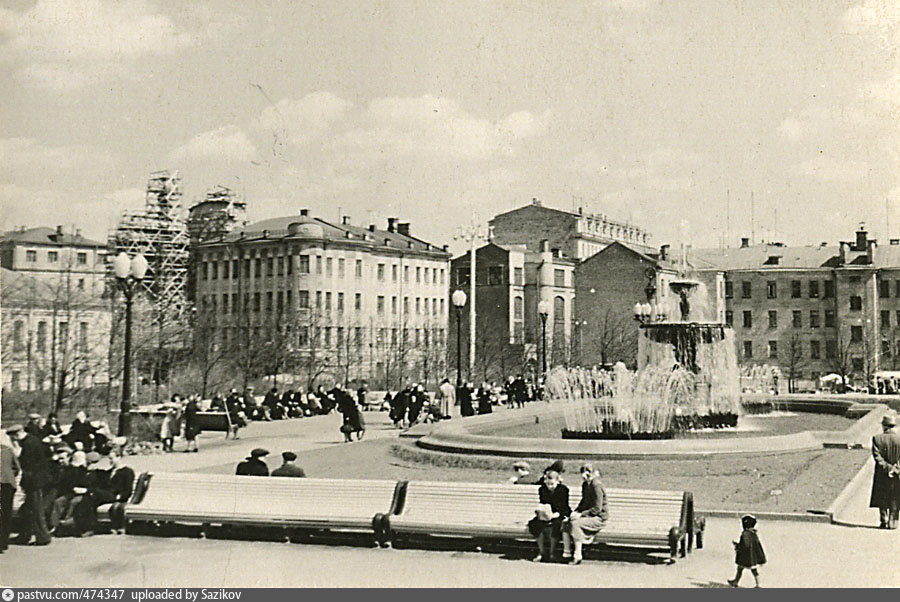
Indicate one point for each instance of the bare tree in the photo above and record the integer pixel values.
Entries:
(606, 339)
(794, 360)
(841, 362)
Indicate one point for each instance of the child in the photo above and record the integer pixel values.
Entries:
(749, 552)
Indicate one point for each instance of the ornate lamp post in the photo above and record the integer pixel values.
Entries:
(544, 311)
(458, 298)
(129, 272)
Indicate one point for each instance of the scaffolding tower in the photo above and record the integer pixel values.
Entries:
(159, 232)
(216, 215)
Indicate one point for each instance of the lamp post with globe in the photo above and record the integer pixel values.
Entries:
(458, 298)
(129, 272)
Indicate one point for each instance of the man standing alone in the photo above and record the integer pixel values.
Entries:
(35, 462)
(448, 399)
(886, 483)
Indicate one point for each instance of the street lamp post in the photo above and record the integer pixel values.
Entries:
(459, 300)
(544, 311)
(129, 271)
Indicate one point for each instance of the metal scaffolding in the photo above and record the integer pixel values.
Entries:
(216, 215)
(160, 233)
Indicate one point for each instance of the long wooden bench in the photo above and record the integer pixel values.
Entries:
(321, 504)
(641, 518)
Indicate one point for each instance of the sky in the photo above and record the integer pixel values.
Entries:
(700, 121)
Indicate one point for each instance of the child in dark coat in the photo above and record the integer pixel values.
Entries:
(748, 550)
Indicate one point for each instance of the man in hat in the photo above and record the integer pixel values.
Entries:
(72, 483)
(288, 468)
(9, 470)
(521, 476)
(35, 462)
(886, 482)
(253, 466)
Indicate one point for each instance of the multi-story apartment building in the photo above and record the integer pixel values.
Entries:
(510, 283)
(813, 310)
(336, 302)
(576, 235)
(55, 319)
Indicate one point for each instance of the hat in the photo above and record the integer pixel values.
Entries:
(34, 416)
(78, 459)
(62, 447)
(93, 457)
(259, 452)
(521, 465)
(95, 424)
(748, 521)
(558, 466)
(119, 441)
(15, 428)
(888, 420)
(289, 456)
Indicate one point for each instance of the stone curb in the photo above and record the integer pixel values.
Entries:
(841, 501)
(786, 516)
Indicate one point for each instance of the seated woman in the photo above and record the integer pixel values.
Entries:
(546, 527)
(590, 516)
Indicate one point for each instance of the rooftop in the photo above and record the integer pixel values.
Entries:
(50, 236)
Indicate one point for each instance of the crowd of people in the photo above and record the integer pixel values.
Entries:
(65, 477)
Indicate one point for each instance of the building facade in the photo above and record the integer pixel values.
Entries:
(55, 316)
(575, 235)
(510, 283)
(333, 302)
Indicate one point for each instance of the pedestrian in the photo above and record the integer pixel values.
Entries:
(9, 470)
(748, 551)
(80, 432)
(520, 391)
(521, 472)
(191, 426)
(399, 404)
(416, 403)
(51, 426)
(886, 481)
(234, 410)
(352, 417)
(447, 394)
(253, 465)
(288, 468)
(34, 460)
(361, 395)
(485, 405)
(590, 516)
(169, 427)
(464, 395)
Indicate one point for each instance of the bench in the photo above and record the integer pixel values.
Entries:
(320, 504)
(640, 518)
(213, 421)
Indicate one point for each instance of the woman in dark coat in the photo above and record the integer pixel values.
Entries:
(484, 399)
(547, 529)
(353, 421)
(465, 400)
(399, 404)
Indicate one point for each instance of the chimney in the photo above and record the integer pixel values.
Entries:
(304, 213)
(403, 228)
(843, 251)
(664, 253)
(895, 241)
(824, 244)
(387, 242)
(745, 242)
(870, 251)
(345, 220)
(77, 232)
(581, 211)
(554, 252)
(392, 224)
(861, 238)
(445, 248)
(535, 202)
(59, 230)
(265, 234)
(545, 246)
(371, 227)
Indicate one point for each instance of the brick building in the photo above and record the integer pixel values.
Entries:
(510, 282)
(813, 310)
(334, 302)
(576, 235)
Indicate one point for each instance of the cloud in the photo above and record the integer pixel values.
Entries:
(299, 121)
(790, 128)
(830, 169)
(439, 126)
(228, 143)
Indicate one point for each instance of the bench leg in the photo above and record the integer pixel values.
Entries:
(699, 540)
(674, 540)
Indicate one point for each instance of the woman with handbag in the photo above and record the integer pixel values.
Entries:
(547, 524)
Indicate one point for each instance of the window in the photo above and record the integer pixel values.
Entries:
(795, 289)
(829, 318)
(406, 273)
(16, 380)
(328, 301)
(559, 311)
(303, 299)
(426, 274)
(235, 308)
(418, 274)
(884, 289)
(214, 270)
(856, 334)
(857, 363)
(729, 317)
(748, 350)
(394, 337)
(235, 269)
(418, 305)
(327, 338)
(519, 274)
(855, 302)
(559, 278)
(814, 319)
(885, 319)
(340, 336)
(797, 319)
(257, 301)
(495, 274)
(82, 259)
(357, 301)
(329, 267)
(405, 305)
(19, 335)
(42, 337)
(31, 257)
(63, 333)
(257, 268)
(729, 289)
(815, 351)
(359, 268)
(269, 301)
(829, 289)
(358, 335)
(886, 348)
(287, 301)
(813, 289)
(748, 319)
(380, 304)
(773, 349)
(280, 271)
(772, 289)
(225, 304)
(462, 276)
(745, 289)
(83, 336)
(304, 264)
(395, 273)
(394, 305)
(425, 306)
(318, 264)
(225, 265)
(341, 268)
(270, 267)
(52, 256)
(381, 272)
(434, 307)
(81, 284)
(830, 349)
(442, 275)
(340, 302)
(319, 300)
(773, 319)
(303, 336)
(434, 276)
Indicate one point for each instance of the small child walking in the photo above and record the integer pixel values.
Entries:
(748, 550)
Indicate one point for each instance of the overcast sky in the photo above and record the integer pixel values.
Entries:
(442, 113)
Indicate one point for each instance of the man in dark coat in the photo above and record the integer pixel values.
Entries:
(80, 432)
(253, 466)
(520, 391)
(464, 395)
(35, 462)
(288, 468)
(886, 482)
(191, 426)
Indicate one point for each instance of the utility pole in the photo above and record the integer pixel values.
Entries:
(471, 234)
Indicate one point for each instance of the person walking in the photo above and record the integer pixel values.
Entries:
(886, 481)
(465, 400)
(448, 398)
(34, 460)
(590, 516)
(288, 468)
(9, 470)
(191, 426)
(748, 551)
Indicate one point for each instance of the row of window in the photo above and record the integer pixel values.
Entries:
(53, 257)
(283, 266)
(495, 276)
(323, 302)
(797, 351)
(42, 336)
(812, 288)
(796, 318)
(337, 336)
